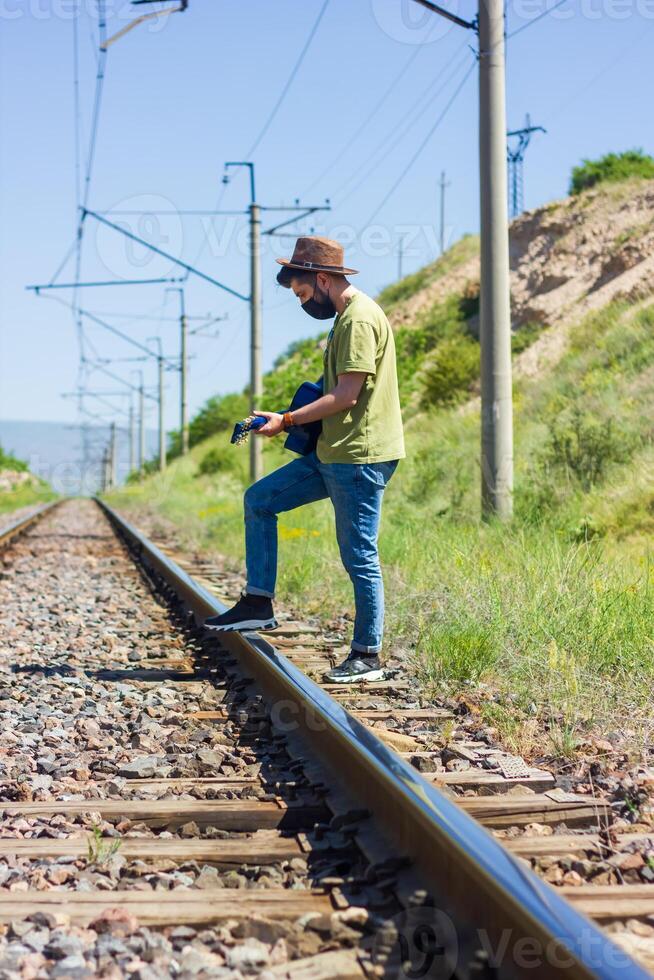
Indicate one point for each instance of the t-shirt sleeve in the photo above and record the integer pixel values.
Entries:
(356, 348)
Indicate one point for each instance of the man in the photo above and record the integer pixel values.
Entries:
(357, 453)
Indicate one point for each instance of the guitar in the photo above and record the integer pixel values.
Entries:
(301, 439)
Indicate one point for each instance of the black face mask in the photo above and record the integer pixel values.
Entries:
(322, 309)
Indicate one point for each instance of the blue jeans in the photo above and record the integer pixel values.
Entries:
(355, 490)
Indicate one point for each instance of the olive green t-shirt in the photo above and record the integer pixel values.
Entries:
(371, 432)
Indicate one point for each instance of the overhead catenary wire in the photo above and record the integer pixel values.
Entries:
(289, 81)
(76, 109)
(385, 147)
(269, 120)
(86, 187)
(64, 261)
(533, 20)
(107, 326)
(423, 144)
(371, 115)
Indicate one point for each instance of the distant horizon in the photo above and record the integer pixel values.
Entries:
(53, 451)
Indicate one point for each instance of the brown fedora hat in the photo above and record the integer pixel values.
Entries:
(315, 254)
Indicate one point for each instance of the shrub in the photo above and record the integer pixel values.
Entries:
(9, 462)
(611, 167)
(218, 460)
(583, 445)
(452, 371)
(446, 319)
(524, 336)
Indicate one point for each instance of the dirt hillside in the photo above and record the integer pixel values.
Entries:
(567, 258)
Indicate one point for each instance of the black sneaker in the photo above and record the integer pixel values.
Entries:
(251, 612)
(357, 667)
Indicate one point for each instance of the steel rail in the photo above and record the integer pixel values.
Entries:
(490, 901)
(23, 523)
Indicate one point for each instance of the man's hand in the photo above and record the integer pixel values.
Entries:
(273, 426)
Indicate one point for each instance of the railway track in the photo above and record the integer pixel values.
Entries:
(176, 807)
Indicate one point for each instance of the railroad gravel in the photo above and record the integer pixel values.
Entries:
(86, 714)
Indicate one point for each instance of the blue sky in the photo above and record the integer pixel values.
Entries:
(194, 90)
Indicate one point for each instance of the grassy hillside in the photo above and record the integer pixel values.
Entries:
(546, 622)
(18, 487)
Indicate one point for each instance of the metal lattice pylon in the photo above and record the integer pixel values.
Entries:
(516, 156)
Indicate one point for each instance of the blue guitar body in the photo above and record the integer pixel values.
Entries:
(301, 439)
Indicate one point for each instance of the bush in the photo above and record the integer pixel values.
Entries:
(611, 167)
(9, 462)
(223, 459)
(447, 319)
(452, 371)
(218, 414)
(583, 445)
(524, 336)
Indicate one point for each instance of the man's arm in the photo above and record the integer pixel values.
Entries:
(341, 398)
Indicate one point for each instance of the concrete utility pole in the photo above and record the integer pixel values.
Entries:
(304, 211)
(162, 430)
(132, 437)
(495, 308)
(256, 378)
(112, 455)
(141, 421)
(183, 368)
(254, 299)
(443, 184)
(104, 485)
(141, 427)
(494, 302)
(183, 371)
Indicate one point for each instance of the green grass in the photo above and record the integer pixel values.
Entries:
(547, 621)
(24, 497)
(10, 462)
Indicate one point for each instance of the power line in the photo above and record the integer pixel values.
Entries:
(76, 107)
(148, 316)
(97, 103)
(267, 124)
(384, 148)
(371, 115)
(421, 107)
(290, 80)
(166, 255)
(424, 143)
(533, 20)
(62, 264)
